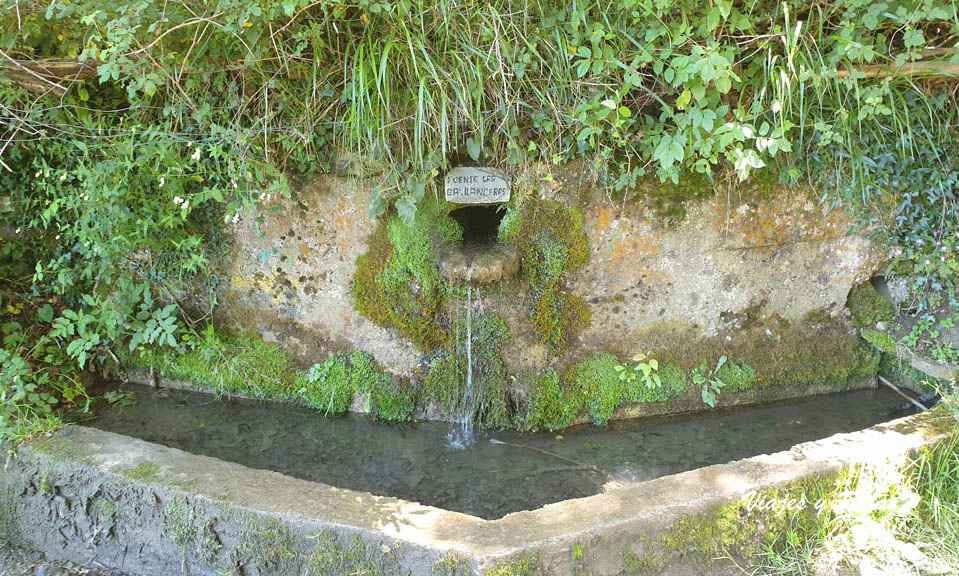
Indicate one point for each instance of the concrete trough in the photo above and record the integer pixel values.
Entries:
(87, 495)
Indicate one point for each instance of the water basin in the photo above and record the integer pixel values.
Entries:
(502, 472)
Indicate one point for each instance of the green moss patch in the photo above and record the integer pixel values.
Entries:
(248, 366)
(241, 364)
(882, 341)
(397, 283)
(446, 377)
(522, 566)
(744, 529)
(601, 388)
(798, 354)
(552, 242)
(330, 386)
(553, 403)
(868, 306)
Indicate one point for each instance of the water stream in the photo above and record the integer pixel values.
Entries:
(487, 479)
(461, 424)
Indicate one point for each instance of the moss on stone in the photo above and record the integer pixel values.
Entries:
(868, 306)
(553, 404)
(143, 472)
(600, 388)
(745, 528)
(242, 364)
(598, 381)
(367, 295)
(397, 283)
(735, 376)
(191, 531)
(331, 556)
(523, 566)
(673, 381)
(882, 341)
(780, 353)
(268, 545)
(331, 385)
(451, 564)
(645, 564)
(552, 242)
(446, 377)
(668, 200)
(328, 386)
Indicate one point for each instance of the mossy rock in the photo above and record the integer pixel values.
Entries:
(446, 376)
(551, 239)
(883, 341)
(553, 404)
(397, 283)
(868, 307)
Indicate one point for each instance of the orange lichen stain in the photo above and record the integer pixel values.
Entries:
(632, 249)
(304, 250)
(602, 218)
(350, 223)
(767, 228)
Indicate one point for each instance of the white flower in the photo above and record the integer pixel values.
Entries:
(226, 219)
(186, 204)
(162, 181)
(777, 106)
(234, 184)
(269, 197)
(196, 154)
(262, 195)
(177, 200)
(36, 174)
(236, 217)
(63, 177)
(18, 230)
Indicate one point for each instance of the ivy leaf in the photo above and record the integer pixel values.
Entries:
(406, 208)
(376, 205)
(45, 313)
(474, 148)
(669, 151)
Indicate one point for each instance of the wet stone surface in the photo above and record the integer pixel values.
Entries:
(479, 263)
(488, 479)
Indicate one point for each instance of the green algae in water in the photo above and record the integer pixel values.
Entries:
(414, 462)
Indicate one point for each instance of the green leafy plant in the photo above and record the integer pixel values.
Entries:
(643, 371)
(708, 381)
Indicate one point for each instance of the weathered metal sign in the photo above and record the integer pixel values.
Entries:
(476, 186)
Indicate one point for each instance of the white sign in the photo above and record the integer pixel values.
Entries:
(476, 186)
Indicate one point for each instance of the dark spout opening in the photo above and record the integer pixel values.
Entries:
(480, 223)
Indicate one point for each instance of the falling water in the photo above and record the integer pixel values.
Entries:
(461, 426)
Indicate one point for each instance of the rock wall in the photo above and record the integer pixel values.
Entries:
(745, 254)
(293, 269)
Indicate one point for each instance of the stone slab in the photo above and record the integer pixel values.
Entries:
(468, 185)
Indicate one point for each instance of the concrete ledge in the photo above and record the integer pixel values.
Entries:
(87, 494)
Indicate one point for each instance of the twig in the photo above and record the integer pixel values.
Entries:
(541, 451)
(556, 469)
(901, 393)
(58, 88)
